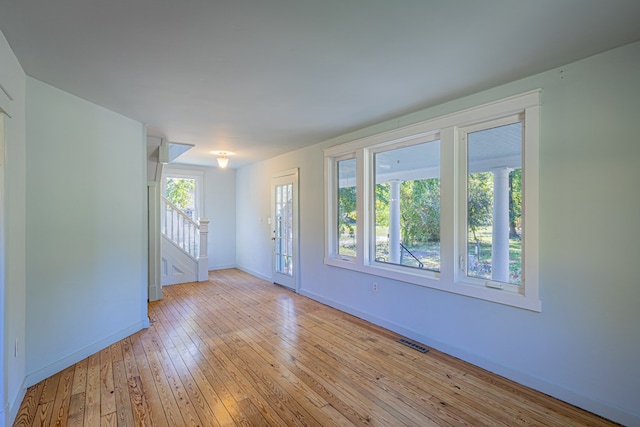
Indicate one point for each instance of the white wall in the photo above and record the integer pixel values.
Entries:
(12, 265)
(220, 208)
(584, 346)
(86, 229)
(253, 206)
(154, 167)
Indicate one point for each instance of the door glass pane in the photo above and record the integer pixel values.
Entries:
(347, 230)
(284, 229)
(494, 204)
(407, 206)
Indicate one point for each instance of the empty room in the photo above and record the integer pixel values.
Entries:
(352, 212)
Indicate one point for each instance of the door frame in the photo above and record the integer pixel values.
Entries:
(294, 174)
(3, 415)
(154, 239)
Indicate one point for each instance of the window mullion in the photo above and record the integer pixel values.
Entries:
(361, 207)
(448, 214)
(460, 261)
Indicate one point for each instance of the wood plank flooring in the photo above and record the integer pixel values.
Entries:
(239, 351)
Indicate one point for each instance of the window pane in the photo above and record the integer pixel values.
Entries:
(284, 229)
(346, 220)
(407, 206)
(494, 204)
(181, 192)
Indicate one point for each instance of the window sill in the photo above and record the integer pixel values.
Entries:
(431, 279)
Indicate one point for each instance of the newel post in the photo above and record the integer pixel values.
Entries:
(203, 259)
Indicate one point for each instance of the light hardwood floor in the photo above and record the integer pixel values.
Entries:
(237, 350)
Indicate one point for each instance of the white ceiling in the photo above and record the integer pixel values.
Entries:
(262, 77)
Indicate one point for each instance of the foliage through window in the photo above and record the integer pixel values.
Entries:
(181, 192)
(407, 206)
(450, 203)
(494, 203)
(347, 215)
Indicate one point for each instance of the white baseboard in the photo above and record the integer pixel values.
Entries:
(604, 409)
(61, 364)
(9, 415)
(256, 274)
(221, 267)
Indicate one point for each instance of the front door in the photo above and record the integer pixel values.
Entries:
(284, 194)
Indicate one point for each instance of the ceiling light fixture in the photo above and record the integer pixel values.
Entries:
(222, 157)
(223, 161)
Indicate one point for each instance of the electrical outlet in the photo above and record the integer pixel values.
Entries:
(374, 287)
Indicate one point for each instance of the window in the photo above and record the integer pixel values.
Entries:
(407, 206)
(346, 215)
(449, 203)
(184, 188)
(181, 192)
(494, 202)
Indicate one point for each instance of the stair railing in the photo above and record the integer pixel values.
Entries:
(180, 229)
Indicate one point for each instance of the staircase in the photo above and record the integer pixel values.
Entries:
(184, 246)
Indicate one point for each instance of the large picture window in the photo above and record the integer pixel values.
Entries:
(407, 206)
(494, 202)
(449, 203)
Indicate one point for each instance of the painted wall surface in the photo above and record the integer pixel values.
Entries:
(253, 205)
(12, 271)
(154, 167)
(220, 204)
(86, 229)
(220, 208)
(583, 346)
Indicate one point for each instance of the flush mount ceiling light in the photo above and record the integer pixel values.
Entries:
(222, 158)
(223, 161)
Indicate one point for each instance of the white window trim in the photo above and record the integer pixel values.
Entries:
(461, 206)
(502, 292)
(370, 258)
(449, 127)
(332, 220)
(197, 175)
